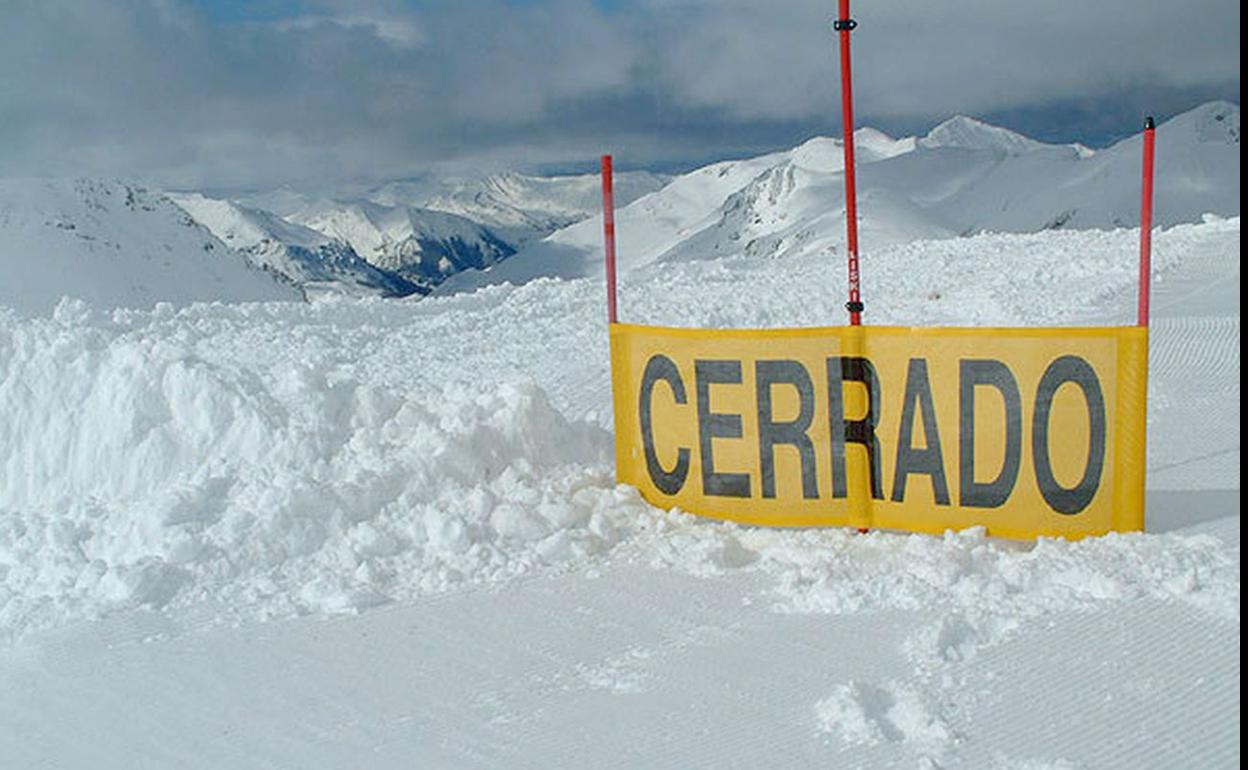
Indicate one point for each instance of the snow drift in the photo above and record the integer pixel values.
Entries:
(285, 458)
(137, 471)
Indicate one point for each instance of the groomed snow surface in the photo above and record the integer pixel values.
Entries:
(385, 534)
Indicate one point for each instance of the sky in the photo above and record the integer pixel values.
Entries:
(239, 94)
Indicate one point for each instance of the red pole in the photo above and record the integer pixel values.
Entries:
(844, 25)
(1146, 223)
(608, 234)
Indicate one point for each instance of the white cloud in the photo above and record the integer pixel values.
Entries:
(399, 32)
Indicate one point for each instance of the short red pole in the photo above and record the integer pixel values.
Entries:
(608, 234)
(1146, 223)
(844, 25)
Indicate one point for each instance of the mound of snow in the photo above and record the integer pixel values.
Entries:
(285, 458)
(136, 471)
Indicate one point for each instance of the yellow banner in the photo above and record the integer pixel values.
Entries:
(1028, 432)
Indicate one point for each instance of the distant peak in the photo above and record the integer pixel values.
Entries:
(863, 136)
(867, 134)
(968, 133)
(823, 153)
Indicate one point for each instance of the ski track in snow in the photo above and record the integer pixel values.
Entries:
(274, 460)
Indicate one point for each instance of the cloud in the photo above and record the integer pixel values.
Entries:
(910, 58)
(400, 33)
(317, 91)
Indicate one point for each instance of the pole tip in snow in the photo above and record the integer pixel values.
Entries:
(1148, 123)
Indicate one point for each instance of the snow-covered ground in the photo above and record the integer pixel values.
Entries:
(366, 533)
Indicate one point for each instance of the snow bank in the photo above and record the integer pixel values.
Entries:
(283, 458)
(136, 471)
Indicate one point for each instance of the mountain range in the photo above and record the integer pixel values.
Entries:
(964, 177)
(119, 243)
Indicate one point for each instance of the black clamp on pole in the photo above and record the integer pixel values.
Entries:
(853, 307)
(844, 25)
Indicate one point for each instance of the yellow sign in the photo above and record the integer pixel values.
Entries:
(1028, 432)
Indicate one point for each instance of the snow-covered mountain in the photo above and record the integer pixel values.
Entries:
(116, 244)
(428, 228)
(995, 183)
(415, 236)
(963, 177)
(968, 133)
(420, 245)
(519, 207)
(313, 261)
(385, 243)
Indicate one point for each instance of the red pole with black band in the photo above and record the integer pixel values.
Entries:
(843, 26)
(608, 235)
(1146, 223)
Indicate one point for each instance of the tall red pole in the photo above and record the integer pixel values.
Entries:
(1146, 223)
(844, 25)
(608, 234)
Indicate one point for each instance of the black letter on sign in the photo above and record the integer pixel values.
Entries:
(718, 425)
(660, 367)
(861, 431)
(994, 374)
(929, 461)
(1063, 370)
(770, 433)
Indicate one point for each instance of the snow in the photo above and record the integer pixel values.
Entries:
(424, 229)
(244, 228)
(965, 177)
(315, 262)
(405, 240)
(969, 134)
(386, 533)
(519, 207)
(115, 243)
